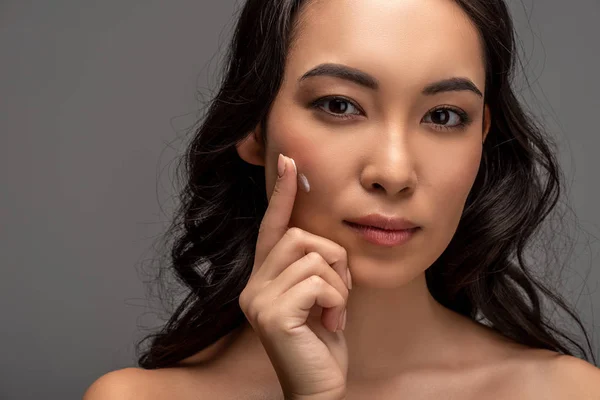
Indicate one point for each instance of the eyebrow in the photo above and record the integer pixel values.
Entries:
(363, 79)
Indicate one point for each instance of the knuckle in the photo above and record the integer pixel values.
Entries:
(245, 297)
(314, 257)
(248, 309)
(251, 309)
(294, 233)
(242, 300)
(262, 319)
(277, 189)
(266, 320)
(316, 281)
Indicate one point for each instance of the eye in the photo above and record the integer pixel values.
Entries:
(444, 114)
(338, 106)
(446, 118)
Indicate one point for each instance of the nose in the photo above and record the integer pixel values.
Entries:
(390, 167)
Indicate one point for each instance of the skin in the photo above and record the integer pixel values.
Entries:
(389, 159)
(386, 158)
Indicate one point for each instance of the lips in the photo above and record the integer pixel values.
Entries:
(383, 222)
(376, 227)
(382, 237)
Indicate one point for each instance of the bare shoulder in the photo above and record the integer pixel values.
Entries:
(520, 371)
(232, 368)
(548, 375)
(573, 378)
(127, 383)
(142, 384)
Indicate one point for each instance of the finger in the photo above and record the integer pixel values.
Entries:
(294, 305)
(297, 243)
(277, 216)
(304, 268)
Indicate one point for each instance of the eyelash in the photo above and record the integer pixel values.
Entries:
(465, 120)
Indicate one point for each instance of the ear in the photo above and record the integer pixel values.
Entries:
(251, 148)
(487, 121)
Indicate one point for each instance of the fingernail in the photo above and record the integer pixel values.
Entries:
(294, 162)
(349, 278)
(344, 320)
(280, 165)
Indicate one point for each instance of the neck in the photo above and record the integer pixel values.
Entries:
(395, 329)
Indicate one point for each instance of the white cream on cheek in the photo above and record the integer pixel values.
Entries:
(304, 182)
(302, 179)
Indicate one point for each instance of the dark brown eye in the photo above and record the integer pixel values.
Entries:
(440, 117)
(337, 107)
(447, 118)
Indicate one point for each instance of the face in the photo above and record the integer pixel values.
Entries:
(387, 147)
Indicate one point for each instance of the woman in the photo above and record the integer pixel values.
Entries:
(412, 186)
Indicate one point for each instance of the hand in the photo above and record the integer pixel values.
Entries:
(296, 298)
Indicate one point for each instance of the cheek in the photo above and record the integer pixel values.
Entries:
(454, 178)
(311, 156)
(291, 134)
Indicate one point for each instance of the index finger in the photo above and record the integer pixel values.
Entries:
(277, 216)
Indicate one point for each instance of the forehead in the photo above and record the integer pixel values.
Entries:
(401, 42)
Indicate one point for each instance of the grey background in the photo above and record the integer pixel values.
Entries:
(95, 101)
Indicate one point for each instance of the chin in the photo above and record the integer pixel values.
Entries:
(370, 272)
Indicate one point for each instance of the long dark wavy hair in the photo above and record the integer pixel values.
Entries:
(482, 274)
